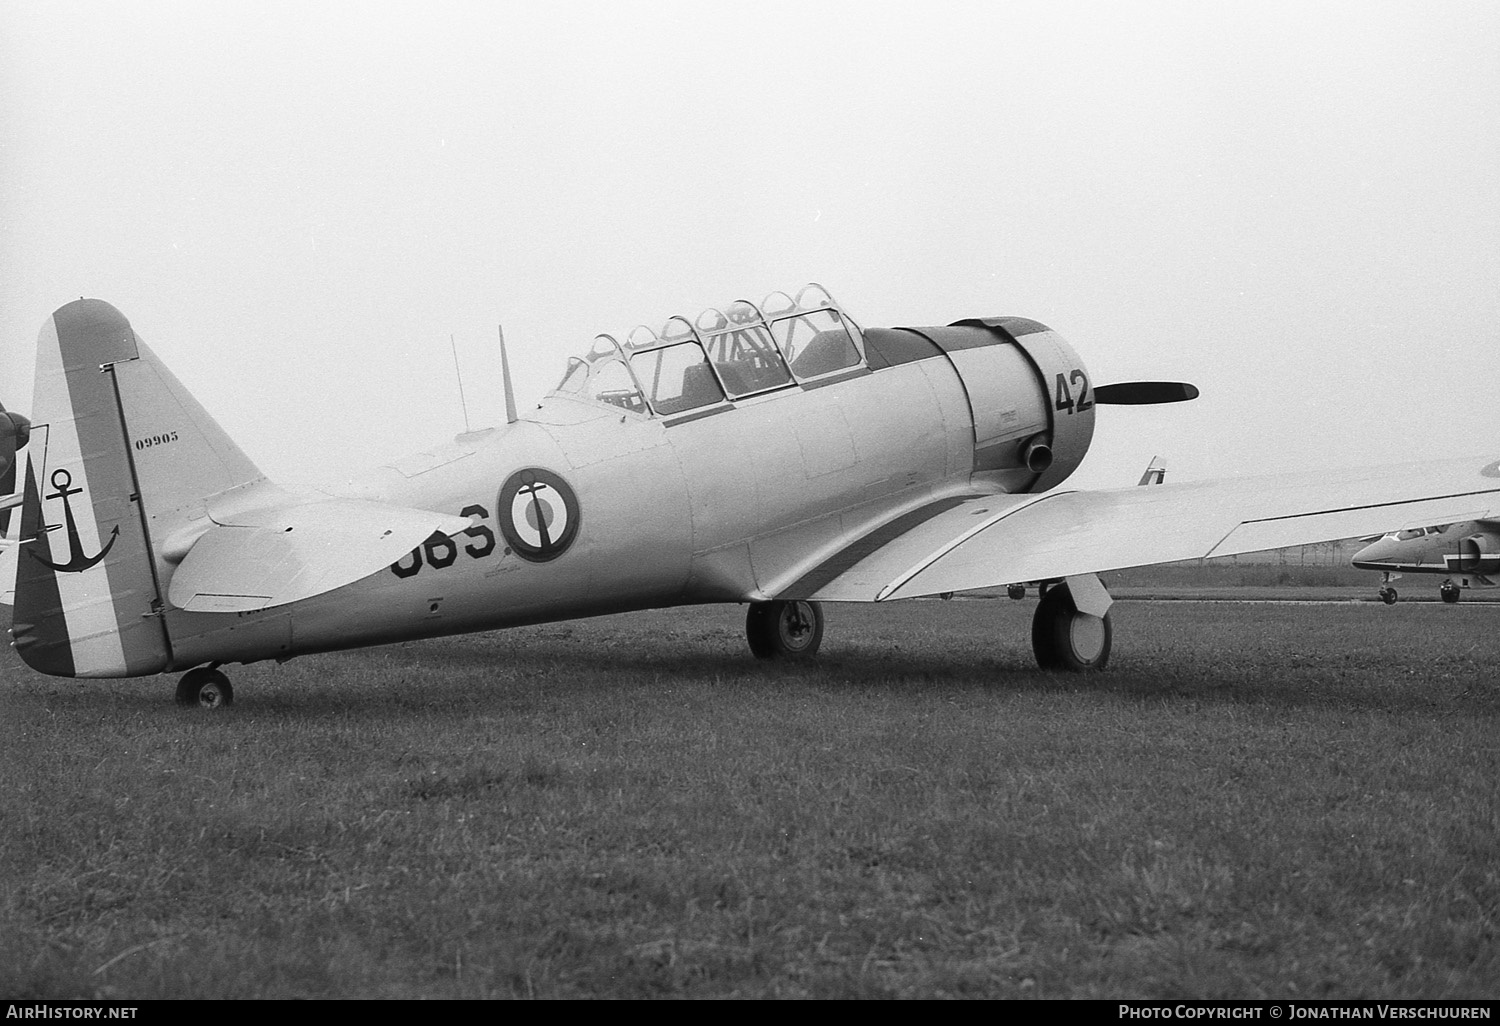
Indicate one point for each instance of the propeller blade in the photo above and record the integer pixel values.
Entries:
(1144, 393)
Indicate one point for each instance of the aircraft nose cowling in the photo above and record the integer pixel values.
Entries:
(1031, 397)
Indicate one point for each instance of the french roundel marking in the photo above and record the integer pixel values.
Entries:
(538, 514)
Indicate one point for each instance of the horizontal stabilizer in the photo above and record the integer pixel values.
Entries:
(281, 554)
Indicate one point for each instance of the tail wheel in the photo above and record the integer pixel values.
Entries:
(1065, 639)
(784, 630)
(205, 688)
(1016, 591)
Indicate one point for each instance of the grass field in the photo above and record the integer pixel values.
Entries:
(1255, 801)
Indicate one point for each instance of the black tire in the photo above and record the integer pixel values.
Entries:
(1388, 596)
(1449, 593)
(784, 630)
(1065, 639)
(205, 688)
(1016, 591)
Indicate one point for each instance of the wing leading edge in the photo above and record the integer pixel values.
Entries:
(1004, 539)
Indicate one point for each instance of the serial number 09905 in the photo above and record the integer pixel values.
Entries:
(155, 440)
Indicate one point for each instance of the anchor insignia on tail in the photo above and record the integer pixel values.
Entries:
(77, 562)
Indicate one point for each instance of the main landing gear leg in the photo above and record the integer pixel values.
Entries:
(206, 688)
(784, 630)
(1071, 629)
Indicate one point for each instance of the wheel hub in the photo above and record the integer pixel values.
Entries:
(1086, 634)
(796, 625)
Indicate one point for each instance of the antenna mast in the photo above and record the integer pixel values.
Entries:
(458, 374)
(510, 395)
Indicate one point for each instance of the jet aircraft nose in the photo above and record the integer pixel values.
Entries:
(1374, 554)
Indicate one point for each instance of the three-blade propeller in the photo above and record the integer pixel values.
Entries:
(1144, 393)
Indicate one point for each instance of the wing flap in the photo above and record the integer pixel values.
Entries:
(996, 540)
(277, 555)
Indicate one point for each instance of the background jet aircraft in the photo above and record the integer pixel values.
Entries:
(1155, 473)
(1467, 551)
(773, 454)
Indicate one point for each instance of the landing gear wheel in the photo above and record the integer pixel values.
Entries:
(205, 688)
(1449, 592)
(1388, 596)
(1016, 591)
(1065, 639)
(784, 630)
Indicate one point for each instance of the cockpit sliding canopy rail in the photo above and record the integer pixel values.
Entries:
(722, 356)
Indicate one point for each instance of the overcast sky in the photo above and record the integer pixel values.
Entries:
(1294, 205)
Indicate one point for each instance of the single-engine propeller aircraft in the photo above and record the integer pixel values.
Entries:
(1467, 552)
(773, 454)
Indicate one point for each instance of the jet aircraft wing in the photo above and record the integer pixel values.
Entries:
(279, 554)
(1002, 539)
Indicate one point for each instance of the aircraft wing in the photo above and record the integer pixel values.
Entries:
(279, 554)
(1004, 539)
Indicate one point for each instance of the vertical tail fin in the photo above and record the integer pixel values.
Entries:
(1156, 473)
(121, 458)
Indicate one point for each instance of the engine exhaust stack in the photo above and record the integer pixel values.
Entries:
(1036, 453)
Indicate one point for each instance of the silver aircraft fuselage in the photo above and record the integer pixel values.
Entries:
(725, 505)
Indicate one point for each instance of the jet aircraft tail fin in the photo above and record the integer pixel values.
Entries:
(1156, 472)
(120, 456)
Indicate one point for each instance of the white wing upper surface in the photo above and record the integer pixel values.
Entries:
(995, 540)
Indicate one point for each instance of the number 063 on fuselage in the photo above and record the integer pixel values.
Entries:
(771, 453)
